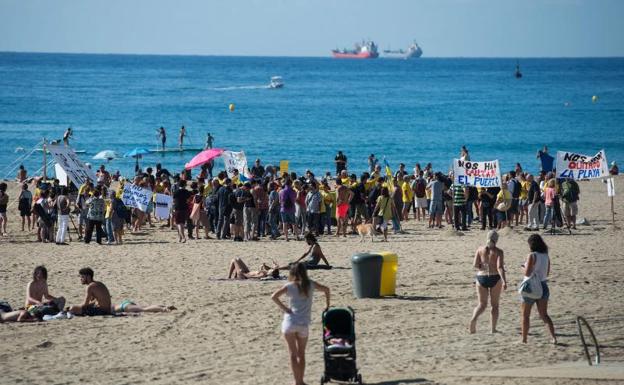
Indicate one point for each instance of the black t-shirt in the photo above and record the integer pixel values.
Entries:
(341, 165)
(358, 194)
(224, 196)
(249, 198)
(240, 193)
(180, 199)
(534, 189)
(257, 171)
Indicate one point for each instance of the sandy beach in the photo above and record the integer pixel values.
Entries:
(227, 332)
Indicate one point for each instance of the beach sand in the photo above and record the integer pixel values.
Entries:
(228, 332)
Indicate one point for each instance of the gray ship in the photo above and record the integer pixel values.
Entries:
(412, 52)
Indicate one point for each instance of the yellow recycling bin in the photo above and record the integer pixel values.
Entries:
(388, 273)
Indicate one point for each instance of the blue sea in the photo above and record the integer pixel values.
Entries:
(420, 110)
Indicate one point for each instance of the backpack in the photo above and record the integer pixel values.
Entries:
(419, 188)
(570, 193)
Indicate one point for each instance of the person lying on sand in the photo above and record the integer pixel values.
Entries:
(16, 316)
(239, 270)
(97, 299)
(128, 306)
(39, 302)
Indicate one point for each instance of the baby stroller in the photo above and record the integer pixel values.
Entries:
(339, 346)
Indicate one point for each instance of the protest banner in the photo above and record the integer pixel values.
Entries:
(236, 161)
(283, 166)
(135, 196)
(76, 171)
(162, 206)
(578, 166)
(477, 174)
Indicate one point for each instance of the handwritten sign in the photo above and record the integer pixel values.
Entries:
(135, 196)
(578, 166)
(163, 206)
(478, 174)
(67, 159)
(236, 161)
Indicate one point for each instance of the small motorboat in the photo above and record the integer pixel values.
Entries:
(276, 82)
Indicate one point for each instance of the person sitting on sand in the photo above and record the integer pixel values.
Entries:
(239, 270)
(128, 306)
(97, 299)
(314, 255)
(39, 302)
(489, 261)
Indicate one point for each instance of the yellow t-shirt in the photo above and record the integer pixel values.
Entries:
(524, 190)
(408, 194)
(108, 206)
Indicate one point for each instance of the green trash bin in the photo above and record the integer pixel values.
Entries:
(366, 270)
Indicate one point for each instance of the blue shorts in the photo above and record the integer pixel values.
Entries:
(287, 217)
(436, 208)
(545, 295)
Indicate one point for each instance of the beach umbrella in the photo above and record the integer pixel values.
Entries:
(203, 157)
(138, 151)
(106, 155)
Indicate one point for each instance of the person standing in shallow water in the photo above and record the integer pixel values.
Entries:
(341, 162)
(490, 264)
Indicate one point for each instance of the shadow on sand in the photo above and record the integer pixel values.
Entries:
(399, 382)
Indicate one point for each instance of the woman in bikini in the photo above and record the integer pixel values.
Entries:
(239, 270)
(490, 263)
(314, 255)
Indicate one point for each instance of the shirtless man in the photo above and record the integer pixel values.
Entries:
(343, 197)
(97, 299)
(68, 134)
(182, 135)
(39, 302)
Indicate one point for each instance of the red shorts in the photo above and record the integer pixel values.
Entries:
(342, 210)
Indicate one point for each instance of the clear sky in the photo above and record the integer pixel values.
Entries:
(471, 28)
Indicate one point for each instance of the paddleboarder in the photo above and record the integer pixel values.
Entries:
(163, 136)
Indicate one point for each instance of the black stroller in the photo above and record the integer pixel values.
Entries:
(339, 346)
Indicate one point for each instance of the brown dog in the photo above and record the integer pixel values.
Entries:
(366, 229)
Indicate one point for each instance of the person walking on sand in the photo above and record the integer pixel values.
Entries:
(537, 262)
(4, 203)
(343, 197)
(297, 315)
(490, 264)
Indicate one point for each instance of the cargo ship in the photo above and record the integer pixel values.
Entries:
(413, 52)
(364, 50)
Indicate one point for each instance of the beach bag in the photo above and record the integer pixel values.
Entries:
(531, 287)
(5, 307)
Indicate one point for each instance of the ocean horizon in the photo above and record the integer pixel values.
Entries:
(421, 110)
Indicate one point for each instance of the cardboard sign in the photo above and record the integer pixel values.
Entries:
(610, 187)
(578, 166)
(478, 174)
(163, 206)
(135, 196)
(236, 161)
(76, 171)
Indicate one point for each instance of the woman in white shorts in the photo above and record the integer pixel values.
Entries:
(297, 316)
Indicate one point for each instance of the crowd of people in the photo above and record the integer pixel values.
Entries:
(273, 204)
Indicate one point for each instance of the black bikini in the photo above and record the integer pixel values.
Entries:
(488, 281)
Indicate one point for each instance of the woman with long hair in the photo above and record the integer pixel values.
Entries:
(537, 262)
(297, 315)
(490, 263)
